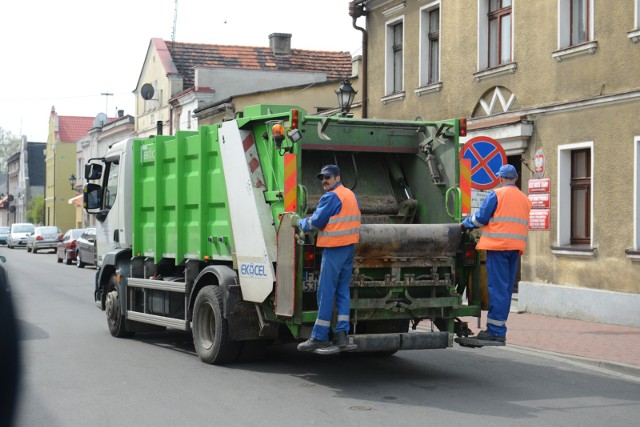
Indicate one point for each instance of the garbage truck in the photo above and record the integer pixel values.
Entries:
(195, 232)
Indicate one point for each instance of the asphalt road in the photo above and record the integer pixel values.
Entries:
(75, 374)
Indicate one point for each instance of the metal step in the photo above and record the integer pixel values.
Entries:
(158, 320)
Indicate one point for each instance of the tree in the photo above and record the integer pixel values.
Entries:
(9, 145)
(35, 210)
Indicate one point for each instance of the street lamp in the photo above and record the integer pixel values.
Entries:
(72, 181)
(346, 94)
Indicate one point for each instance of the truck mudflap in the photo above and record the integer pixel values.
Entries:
(401, 341)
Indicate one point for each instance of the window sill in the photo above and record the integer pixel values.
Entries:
(569, 52)
(575, 251)
(431, 88)
(633, 255)
(634, 36)
(394, 97)
(495, 71)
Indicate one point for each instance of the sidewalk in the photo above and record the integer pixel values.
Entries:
(607, 346)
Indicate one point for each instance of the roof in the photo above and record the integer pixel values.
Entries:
(72, 128)
(187, 56)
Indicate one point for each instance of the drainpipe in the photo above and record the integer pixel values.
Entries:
(356, 10)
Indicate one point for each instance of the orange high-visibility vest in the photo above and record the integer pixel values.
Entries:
(344, 228)
(507, 229)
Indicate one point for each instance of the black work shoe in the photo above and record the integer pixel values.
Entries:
(340, 339)
(487, 336)
(313, 344)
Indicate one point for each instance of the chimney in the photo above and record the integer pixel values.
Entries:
(280, 43)
(120, 114)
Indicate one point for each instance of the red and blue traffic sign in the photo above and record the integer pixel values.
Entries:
(487, 156)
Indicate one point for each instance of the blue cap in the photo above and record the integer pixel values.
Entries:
(329, 171)
(508, 172)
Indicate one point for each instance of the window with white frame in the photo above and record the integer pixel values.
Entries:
(636, 193)
(394, 57)
(495, 33)
(430, 44)
(575, 194)
(575, 22)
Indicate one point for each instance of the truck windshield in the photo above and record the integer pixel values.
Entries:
(112, 185)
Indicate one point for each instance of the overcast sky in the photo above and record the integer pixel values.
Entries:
(66, 53)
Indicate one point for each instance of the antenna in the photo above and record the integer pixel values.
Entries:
(106, 96)
(175, 22)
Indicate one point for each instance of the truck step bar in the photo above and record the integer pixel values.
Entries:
(402, 341)
(158, 320)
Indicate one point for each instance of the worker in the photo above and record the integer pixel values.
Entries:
(337, 221)
(503, 217)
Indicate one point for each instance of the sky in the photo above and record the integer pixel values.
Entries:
(67, 53)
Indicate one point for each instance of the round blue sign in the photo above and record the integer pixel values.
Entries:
(487, 156)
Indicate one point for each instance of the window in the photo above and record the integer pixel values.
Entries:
(575, 194)
(575, 22)
(636, 194)
(495, 39)
(394, 57)
(499, 17)
(430, 44)
(580, 196)
(579, 22)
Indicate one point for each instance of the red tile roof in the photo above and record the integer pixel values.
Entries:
(71, 128)
(186, 56)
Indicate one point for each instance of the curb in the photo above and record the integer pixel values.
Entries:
(631, 372)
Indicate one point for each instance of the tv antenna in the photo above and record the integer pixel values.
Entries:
(106, 96)
(175, 22)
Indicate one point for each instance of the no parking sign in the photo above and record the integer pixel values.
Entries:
(487, 156)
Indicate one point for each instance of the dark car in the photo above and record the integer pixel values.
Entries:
(4, 235)
(43, 238)
(86, 248)
(66, 249)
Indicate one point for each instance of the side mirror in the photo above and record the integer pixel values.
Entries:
(91, 197)
(92, 171)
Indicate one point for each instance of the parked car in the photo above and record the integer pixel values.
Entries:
(66, 248)
(43, 238)
(86, 248)
(19, 233)
(4, 235)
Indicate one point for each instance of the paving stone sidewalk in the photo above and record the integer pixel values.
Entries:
(597, 341)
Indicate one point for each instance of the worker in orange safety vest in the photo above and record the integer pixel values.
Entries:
(337, 221)
(504, 219)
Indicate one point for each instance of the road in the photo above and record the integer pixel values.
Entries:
(75, 374)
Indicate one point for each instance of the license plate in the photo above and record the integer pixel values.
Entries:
(309, 281)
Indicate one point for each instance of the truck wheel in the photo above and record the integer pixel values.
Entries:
(79, 262)
(211, 329)
(115, 319)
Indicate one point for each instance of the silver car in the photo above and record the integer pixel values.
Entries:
(19, 233)
(4, 235)
(44, 238)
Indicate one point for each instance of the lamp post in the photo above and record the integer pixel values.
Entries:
(72, 181)
(346, 94)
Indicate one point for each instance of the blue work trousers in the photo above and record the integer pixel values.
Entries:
(333, 286)
(502, 267)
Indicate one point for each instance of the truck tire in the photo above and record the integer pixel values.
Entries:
(211, 329)
(115, 319)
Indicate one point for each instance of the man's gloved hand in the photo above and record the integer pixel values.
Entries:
(294, 220)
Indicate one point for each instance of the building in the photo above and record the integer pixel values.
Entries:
(553, 82)
(105, 132)
(60, 161)
(180, 78)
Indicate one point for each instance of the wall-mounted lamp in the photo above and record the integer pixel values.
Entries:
(346, 94)
(72, 181)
